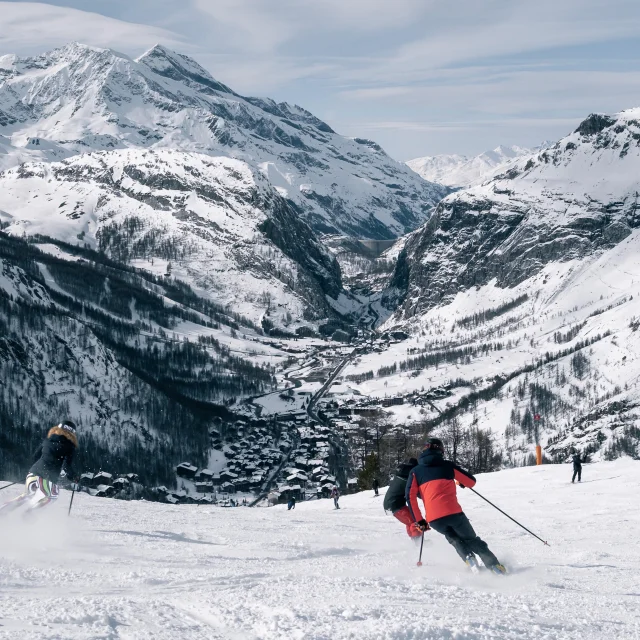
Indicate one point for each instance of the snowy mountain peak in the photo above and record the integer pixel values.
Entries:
(176, 66)
(502, 152)
(462, 171)
(79, 98)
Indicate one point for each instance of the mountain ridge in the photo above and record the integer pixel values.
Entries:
(520, 297)
(461, 171)
(225, 229)
(77, 99)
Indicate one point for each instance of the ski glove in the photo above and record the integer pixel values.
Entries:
(423, 525)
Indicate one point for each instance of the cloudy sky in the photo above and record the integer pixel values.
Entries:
(419, 76)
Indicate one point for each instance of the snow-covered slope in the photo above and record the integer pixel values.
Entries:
(139, 570)
(223, 228)
(456, 170)
(132, 358)
(522, 297)
(563, 203)
(79, 98)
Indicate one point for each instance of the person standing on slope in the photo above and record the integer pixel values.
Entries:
(53, 458)
(434, 480)
(291, 504)
(376, 486)
(394, 499)
(335, 494)
(577, 468)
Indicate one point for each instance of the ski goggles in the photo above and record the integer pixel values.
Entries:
(66, 427)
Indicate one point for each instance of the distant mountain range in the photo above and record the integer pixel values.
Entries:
(463, 171)
(158, 231)
(79, 99)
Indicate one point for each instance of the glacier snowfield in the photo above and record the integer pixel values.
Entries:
(136, 570)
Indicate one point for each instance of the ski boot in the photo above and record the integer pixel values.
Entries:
(499, 569)
(472, 562)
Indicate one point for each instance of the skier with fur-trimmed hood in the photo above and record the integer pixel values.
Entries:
(434, 480)
(53, 458)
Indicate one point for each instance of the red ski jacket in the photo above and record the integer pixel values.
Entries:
(434, 481)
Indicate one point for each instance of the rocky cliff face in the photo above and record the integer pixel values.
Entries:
(578, 197)
(78, 99)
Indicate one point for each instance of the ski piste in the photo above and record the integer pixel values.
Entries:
(190, 572)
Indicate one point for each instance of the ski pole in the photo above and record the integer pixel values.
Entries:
(510, 518)
(421, 545)
(73, 493)
(6, 486)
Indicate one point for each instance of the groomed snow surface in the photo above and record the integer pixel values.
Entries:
(139, 570)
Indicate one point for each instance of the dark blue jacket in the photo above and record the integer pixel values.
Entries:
(55, 452)
(394, 499)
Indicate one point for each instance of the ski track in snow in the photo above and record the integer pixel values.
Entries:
(137, 570)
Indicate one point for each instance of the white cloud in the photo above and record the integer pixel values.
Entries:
(469, 125)
(269, 24)
(34, 26)
(512, 91)
(466, 31)
(250, 76)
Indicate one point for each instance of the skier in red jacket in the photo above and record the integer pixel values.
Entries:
(434, 480)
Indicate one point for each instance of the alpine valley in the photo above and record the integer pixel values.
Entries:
(223, 287)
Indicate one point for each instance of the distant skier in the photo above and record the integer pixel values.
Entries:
(577, 468)
(376, 486)
(335, 494)
(394, 499)
(434, 480)
(291, 504)
(54, 458)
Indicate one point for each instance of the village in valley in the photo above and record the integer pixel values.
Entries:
(298, 442)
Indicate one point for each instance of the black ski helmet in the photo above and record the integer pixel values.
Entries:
(68, 425)
(413, 462)
(434, 444)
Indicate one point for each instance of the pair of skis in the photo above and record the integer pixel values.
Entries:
(73, 493)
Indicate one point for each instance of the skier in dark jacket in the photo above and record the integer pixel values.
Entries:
(434, 480)
(53, 458)
(394, 499)
(577, 468)
(376, 486)
(291, 504)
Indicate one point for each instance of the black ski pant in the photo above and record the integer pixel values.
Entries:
(458, 531)
(577, 471)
